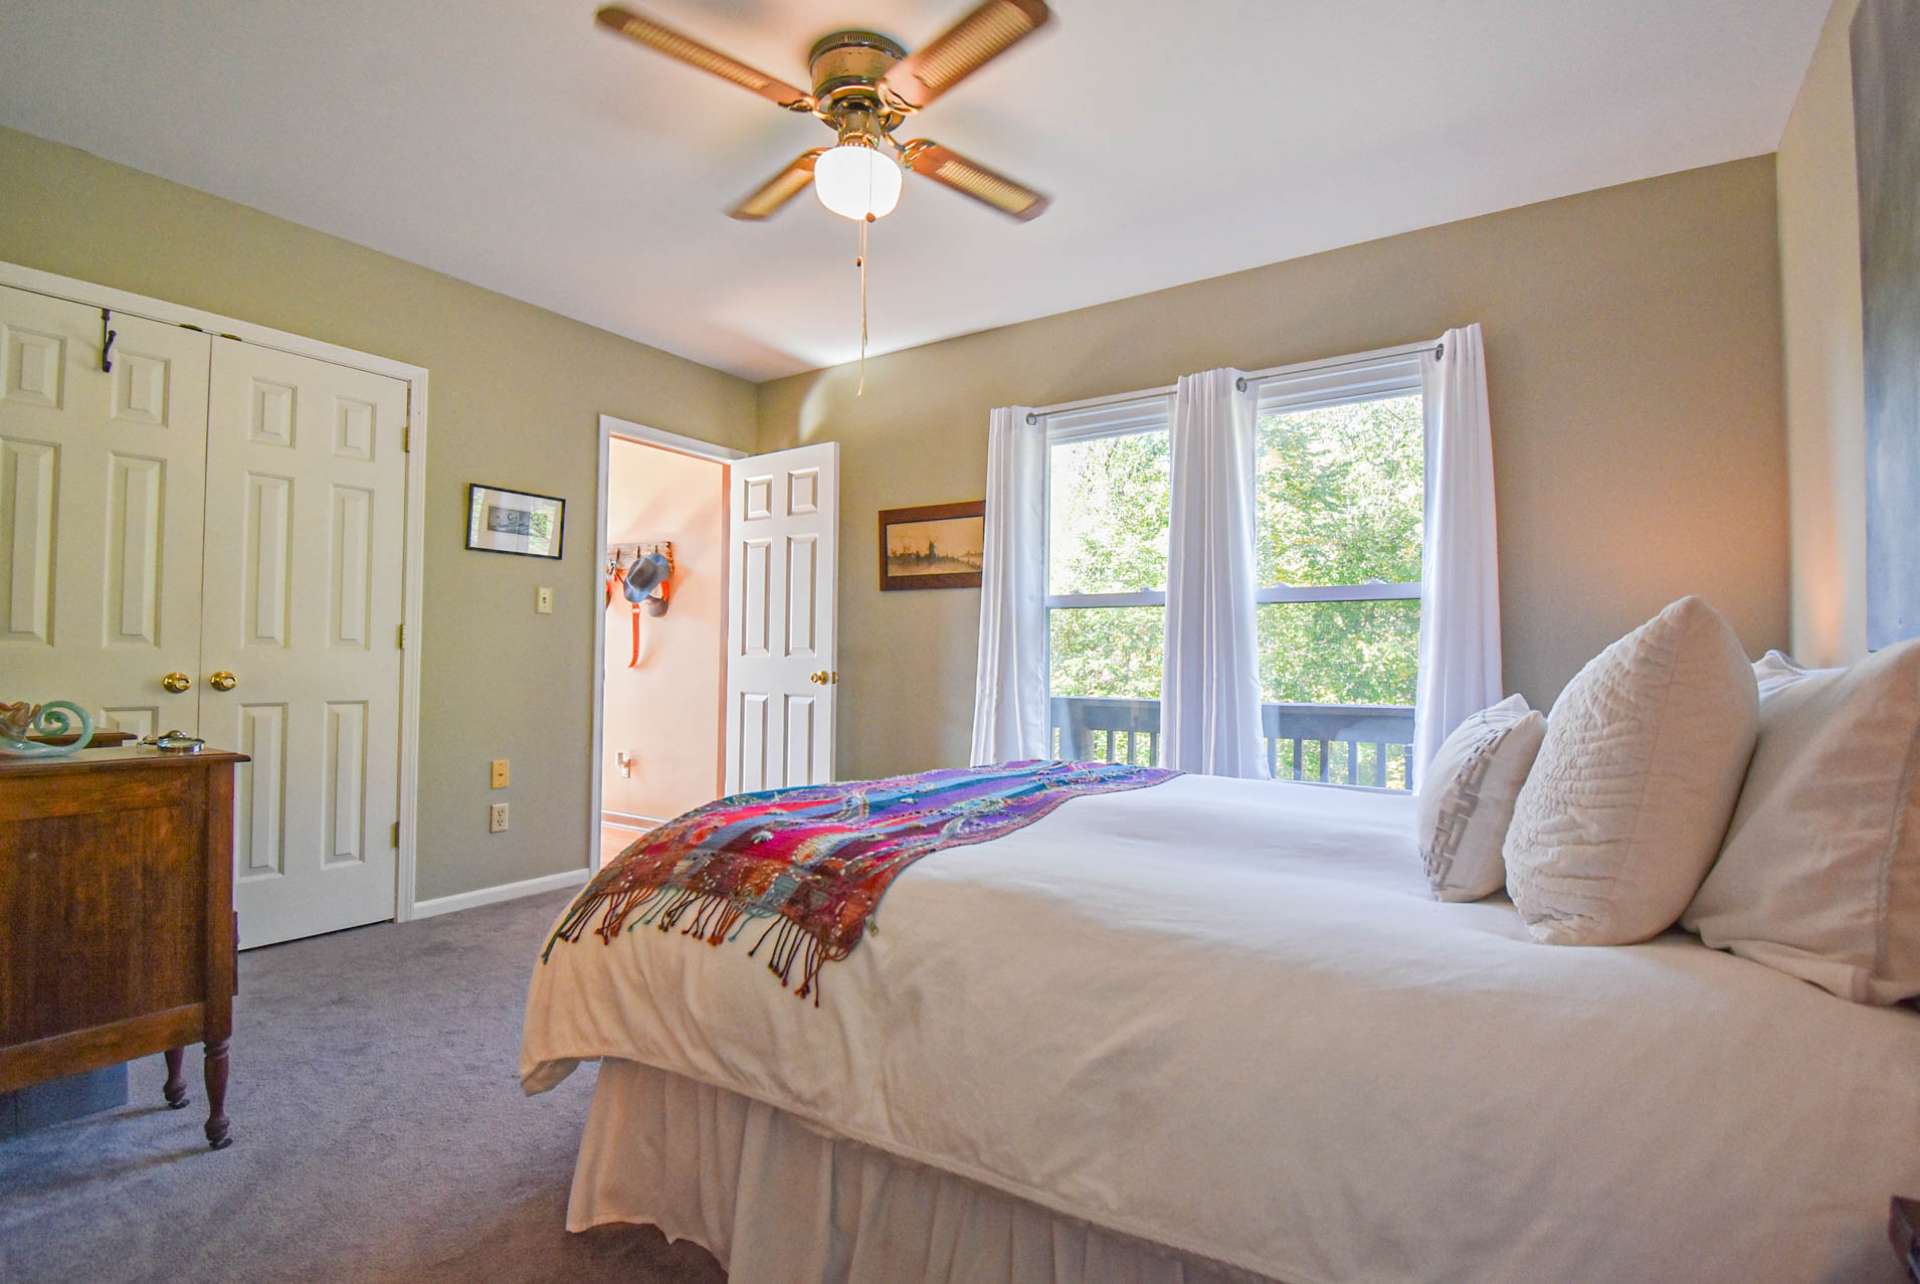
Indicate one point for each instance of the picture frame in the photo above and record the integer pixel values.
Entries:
(500, 520)
(933, 546)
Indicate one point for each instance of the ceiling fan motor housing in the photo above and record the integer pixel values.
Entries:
(847, 67)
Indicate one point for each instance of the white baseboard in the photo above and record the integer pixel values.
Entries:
(504, 892)
(631, 820)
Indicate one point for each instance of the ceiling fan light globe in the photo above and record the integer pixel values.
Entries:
(856, 181)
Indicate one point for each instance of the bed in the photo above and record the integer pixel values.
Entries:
(1218, 1029)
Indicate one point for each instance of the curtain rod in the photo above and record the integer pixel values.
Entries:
(1309, 367)
(1038, 413)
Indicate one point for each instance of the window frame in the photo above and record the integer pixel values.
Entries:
(1130, 416)
(1348, 382)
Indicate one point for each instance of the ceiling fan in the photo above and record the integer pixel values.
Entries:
(865, 86)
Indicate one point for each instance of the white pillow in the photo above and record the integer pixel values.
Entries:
(1467, 797)
(1628, 801)
(1820, 875)
(1776, 671)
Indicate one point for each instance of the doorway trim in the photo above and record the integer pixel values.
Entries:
(93, 295)
(612, 426)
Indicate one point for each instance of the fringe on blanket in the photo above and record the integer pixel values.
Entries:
(717, 918)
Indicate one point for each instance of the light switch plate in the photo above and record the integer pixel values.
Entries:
(497, 818)
(498, 777)
(543, 600)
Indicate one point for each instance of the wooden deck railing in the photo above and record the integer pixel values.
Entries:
(1364, 745)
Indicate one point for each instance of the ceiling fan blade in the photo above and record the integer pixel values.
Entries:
(961, 50)
(951, 169)
(664, 39)
(771, 195)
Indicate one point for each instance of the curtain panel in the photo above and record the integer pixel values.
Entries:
(1460, 563)
(1210, 682)
(1010, 684)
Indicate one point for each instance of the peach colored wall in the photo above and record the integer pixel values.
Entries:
(666, 713)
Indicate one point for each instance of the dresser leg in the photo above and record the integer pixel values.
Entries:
(217, 1095)
(176, 1085)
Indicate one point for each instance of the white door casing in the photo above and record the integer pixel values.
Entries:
(782, 549)
(306, 496)
(101, 477)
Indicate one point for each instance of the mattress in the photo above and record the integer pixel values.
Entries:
(1226, 1017)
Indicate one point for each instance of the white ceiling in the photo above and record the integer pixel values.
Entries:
(512, 144)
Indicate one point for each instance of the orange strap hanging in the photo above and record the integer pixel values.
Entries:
(616, 580)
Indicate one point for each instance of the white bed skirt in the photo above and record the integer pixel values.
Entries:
(777, 1201)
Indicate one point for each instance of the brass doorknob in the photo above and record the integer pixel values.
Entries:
(223, 680)
(818, 679)
(176, 682)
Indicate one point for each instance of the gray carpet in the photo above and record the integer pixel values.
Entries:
(379, 1134)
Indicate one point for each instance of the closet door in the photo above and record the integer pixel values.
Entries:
(306, 490)
(100, 512)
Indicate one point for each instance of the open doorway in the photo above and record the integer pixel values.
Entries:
(661, 662)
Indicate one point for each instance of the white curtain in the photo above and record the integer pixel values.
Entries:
(1010, 684)
(1210, 686)
(1460, 563)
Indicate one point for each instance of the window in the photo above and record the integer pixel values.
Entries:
(1340, 495)
(1108, 505)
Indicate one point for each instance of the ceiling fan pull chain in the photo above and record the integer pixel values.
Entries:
(861, 387)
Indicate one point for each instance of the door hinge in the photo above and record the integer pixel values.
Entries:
(400, 639)
(396, 833)
(406, 438)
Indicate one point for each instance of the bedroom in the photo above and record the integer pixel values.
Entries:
(1654, 217)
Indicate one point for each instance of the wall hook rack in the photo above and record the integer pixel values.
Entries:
(619, 555)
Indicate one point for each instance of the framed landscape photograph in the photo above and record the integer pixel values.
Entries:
(934, 546)
(512, 521)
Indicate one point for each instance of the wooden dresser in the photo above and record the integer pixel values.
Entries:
(116, 896)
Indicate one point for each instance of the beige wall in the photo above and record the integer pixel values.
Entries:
(1825, 375)
(515, 397)
(1633, 341)
(1633, 345)
(666, 712)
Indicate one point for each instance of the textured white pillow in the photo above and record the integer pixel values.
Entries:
(1820, 875)
(1628, 801)
(1467, 797)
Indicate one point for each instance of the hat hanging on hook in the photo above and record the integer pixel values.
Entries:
(645, 583)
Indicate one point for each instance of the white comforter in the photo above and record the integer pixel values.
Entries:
(1227, 1017)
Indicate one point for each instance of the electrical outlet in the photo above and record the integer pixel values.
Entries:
(498, 777)
(497, 819)
(543, 600)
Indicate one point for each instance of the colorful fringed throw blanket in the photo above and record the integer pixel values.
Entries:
(818, 858)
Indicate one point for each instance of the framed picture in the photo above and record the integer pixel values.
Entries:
(935, 546)
(512, 521)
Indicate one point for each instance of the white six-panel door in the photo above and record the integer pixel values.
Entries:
(782, 538)
(306, 498)
(101, 480)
